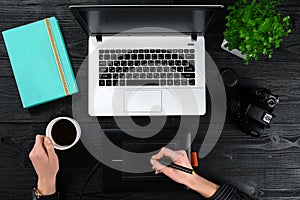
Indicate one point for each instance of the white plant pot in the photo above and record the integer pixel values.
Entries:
(234, 51)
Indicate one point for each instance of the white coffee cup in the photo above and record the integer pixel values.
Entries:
(49, 132)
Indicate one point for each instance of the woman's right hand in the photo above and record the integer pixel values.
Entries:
(193, 181)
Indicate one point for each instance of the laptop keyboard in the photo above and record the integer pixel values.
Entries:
(146, 67)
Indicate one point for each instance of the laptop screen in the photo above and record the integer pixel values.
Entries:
(107, 19)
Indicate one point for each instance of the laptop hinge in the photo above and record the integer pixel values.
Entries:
(99, 38)
(194, 36)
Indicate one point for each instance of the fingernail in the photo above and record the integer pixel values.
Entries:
(48, 141)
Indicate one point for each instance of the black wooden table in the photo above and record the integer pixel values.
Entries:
(266, 168)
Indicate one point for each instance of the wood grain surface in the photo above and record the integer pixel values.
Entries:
(266, 168)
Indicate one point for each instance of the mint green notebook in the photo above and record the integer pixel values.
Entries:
(40, 62)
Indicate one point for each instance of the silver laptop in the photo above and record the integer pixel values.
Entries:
(146, 59)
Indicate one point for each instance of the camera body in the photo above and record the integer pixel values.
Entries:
(250, 107)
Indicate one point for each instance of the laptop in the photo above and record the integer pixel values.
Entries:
(145, 60)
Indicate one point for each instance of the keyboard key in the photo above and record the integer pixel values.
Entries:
(191, 62)
(166, 69)
(116, 63)
(144, 63)
(115, 76)
(149, 75)
(151, 62)
(112, 69)
(175, 51)
(189, 56)
(146, 51)
(169, 50)
(179, 69)
(163, 82)
(127, 56)
(157, 63)
(164, 62)
(118, 69)
(176, 75)
(192, 50)
(145, 69)
(189, 69)
(152, 69)
(141, 56)
(125, 69)
(106, 56)
(156, 75)
(141, 50)
(102, 63)
(132, 69)
(181, 56)
(101, 51)
(130, 63)
(137, 63)
(118, 51)
(157, 50)
(162, 75)
(174, 56)
(122, 83)
(188, 75)
(172, 69)
(139, 69)
(108, 82)
(184, 63)
(123, 63)
(163, 51)
(106, 51)
(113, 56)
(154, 56)
(124, 51)
(178, 62)
(129, 75)
(103, 69)
(168, 56)
(129, 50)
(180, 51)
(115, 82)
(147, 56)
(169, 75)
(136, 75)
(159, 69)
(183, 82)
(122, 76)
(147, 82)
(101, 57)
(171, 63)
(120, 56)
(152, 50)
(191, 81)
(142, 75)
(135, 51)
(112, 51)
(176, 82)
(105, 76)
(186, 51)
(101, 82)
(133, 56)
(169, 82)
(110, 63)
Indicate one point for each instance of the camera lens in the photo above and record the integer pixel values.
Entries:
(271, 103)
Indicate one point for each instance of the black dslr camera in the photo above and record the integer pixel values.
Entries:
(249, 107)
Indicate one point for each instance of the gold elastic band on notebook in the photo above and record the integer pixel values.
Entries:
(57, 59)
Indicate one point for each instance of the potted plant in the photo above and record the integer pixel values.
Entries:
(255, 28)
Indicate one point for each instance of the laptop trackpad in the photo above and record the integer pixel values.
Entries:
(143, 101)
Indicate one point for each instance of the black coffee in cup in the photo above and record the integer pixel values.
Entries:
(63, 132)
